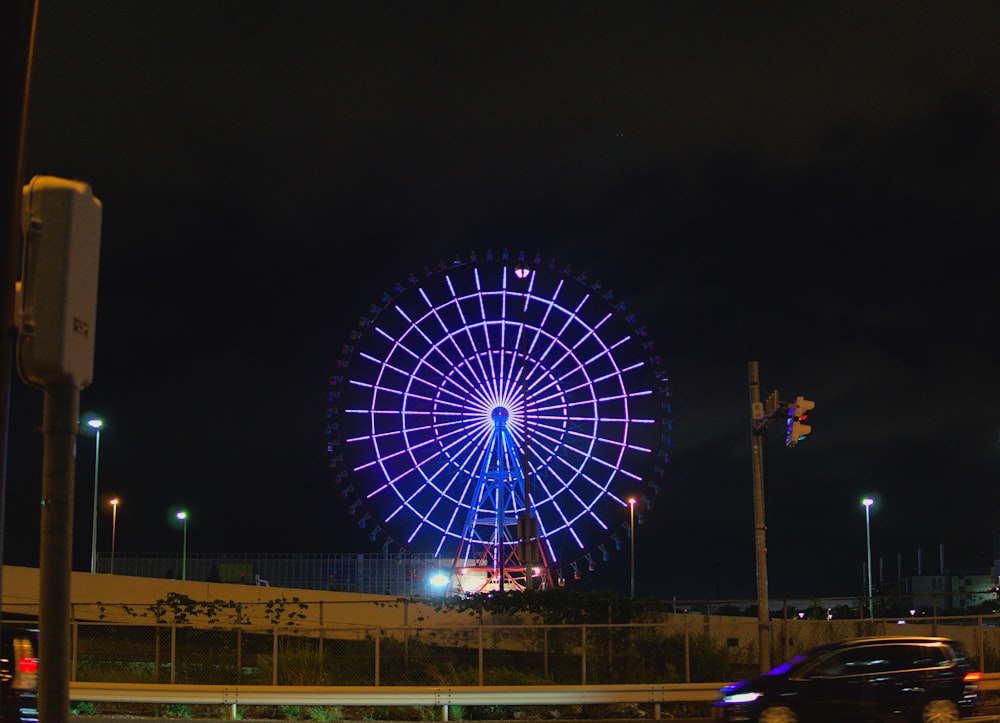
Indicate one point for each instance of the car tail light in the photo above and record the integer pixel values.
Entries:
(973, 677)
(28, 665)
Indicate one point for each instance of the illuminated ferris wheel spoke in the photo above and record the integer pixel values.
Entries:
(606, 352)
(433, 344)
(468, 451)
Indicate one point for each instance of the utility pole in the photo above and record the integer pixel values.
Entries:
(55, 317)
(762, 414)
(18, 20)
(758, 424)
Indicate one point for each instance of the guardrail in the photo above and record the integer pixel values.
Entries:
(435, 696)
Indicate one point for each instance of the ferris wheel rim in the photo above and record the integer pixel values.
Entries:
(570, 421)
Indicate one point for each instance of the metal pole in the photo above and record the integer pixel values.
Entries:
(760, 526)
(93, 535)
(60, 418)
(114, 530)
(867, 502)
(527, 541)
(18, 21)
(631, 534)
(184, 553)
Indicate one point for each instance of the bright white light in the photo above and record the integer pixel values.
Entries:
(521, 271)
(182, 515)
(95, 423)
(742, 697)
(439, 579)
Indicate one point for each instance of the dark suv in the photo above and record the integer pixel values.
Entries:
(911, 678)
(18, 673)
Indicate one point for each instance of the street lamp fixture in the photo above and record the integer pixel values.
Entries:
(97, 424)
(868, 502)
(183, 517)
(631, 537)
(114, 530)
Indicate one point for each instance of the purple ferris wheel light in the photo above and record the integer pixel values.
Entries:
(483, 393)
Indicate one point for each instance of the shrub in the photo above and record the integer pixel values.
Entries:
(325, 713)
(178, 711)
(84, 708)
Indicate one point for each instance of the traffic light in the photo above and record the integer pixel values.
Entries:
(798, 412)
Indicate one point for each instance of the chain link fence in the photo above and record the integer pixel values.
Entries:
(276, 643)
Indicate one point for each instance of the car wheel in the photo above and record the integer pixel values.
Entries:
(940, 711)
(777, 714)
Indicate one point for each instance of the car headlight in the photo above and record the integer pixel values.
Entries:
(747, 697)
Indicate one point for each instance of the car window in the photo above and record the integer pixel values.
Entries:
(852, 661)
(880, 659)
(904, 657)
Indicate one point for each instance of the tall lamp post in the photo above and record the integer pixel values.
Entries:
(868, 502)
(97, 425)
(631, 537)
(114, 530)
(183, 517)
(527, 525)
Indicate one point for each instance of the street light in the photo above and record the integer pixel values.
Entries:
(114, 530)
(97, 425)
(183, 517)
(527, 526)
(868, 502)
(631, 536)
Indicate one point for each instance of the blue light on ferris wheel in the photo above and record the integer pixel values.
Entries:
(421, 400)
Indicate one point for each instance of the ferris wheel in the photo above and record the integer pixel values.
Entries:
(502, 414)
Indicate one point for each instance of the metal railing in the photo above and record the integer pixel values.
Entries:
(441, 697)
(680, 649)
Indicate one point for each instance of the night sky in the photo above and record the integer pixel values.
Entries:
(813, 187)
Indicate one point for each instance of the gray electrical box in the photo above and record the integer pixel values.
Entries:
(56, 304)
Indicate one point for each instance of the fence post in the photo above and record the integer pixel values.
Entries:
(687, 649)
(239, 654)
(322, 635)
(583, 654)
(406, 636)
(173, 653)
(545, 653)
(157, 652)
(274, 658)
(378, 655)
(75, 644)
(482, 643)
(980, 635)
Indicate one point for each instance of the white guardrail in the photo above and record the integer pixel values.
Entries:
(439, 696)
(392, 695)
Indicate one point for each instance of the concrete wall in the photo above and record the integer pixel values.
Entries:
(108, 595)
